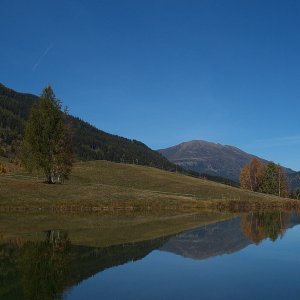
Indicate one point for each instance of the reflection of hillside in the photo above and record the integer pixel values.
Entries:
(35, 270)
(25, 268)
(88, 261)
(211, 240)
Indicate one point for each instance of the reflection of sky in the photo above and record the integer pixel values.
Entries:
(267, 271)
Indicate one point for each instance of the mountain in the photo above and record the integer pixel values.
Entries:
(89, 143)
(213, 159)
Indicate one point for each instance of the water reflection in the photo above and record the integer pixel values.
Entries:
(260, 225)
(232, 235)
(44, 266)
(215, 239)
(35, 270)
(45, 269)
(48, 268)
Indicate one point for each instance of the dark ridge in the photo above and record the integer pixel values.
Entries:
(90, 143)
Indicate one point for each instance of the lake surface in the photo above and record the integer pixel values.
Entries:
(247, 256)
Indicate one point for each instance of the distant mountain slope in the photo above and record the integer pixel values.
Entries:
(89, 142)
(210, 158)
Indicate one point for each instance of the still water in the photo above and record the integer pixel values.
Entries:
(249, 256)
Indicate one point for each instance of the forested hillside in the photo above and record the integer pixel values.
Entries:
(14, 110)
(89, 143)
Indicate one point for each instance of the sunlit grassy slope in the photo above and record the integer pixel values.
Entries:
(101, 185)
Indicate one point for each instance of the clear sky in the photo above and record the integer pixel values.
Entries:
(165, 71)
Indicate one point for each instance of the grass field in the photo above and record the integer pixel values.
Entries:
(103, 185)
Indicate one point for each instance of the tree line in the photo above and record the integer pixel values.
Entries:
(264, 178)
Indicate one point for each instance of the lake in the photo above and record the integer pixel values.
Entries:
(207, 255)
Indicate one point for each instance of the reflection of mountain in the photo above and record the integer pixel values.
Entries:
(230, 236)
(211, 240)
(46, 268)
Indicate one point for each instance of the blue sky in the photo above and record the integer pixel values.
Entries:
(165, 71)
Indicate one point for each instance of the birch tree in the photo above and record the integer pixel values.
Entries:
(47, 143)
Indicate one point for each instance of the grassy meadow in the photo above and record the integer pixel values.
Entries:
(108, 186)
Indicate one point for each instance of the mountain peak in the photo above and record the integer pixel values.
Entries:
(210, 158)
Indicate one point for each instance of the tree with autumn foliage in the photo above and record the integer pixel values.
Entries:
(268, 179)
(251, 175)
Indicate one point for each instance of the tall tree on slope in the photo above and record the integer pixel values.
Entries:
(251, 175)
(47, 143)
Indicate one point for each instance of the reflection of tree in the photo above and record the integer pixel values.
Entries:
(44, 269)
(43, 266)
(260, 225)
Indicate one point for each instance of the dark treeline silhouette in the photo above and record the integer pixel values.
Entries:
(220, 179)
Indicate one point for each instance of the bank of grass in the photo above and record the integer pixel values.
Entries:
(103, 185)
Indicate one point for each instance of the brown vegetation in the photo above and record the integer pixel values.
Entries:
(2, 169)
(268, 179)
